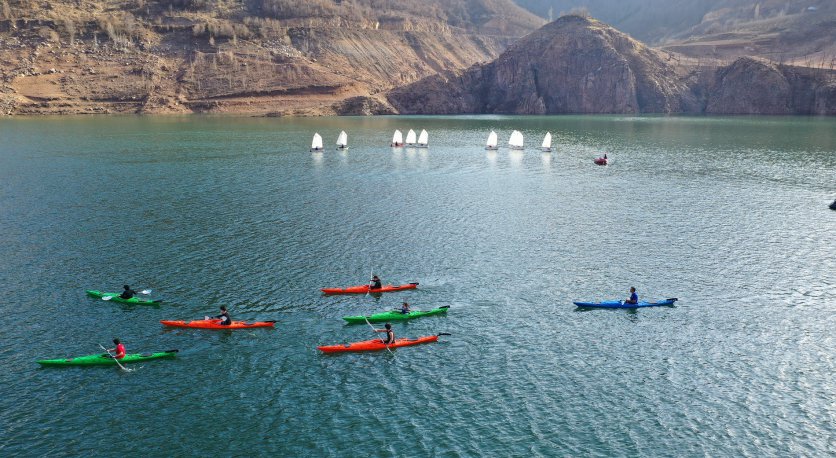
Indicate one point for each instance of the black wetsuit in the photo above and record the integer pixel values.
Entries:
(376, 284)
(390, 337)
(127, 294)
(225, 319)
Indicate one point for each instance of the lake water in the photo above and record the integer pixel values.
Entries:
(727, 214)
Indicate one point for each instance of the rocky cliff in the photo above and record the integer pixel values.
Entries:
(278, 57)
(757, 86)
(580, 65)
(573, 65)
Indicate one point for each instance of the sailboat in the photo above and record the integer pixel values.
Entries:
(423, 139)
(547, 143)
(516, 140)
(397, 139)
(410, 138)
(316, 144)
(491, 144)
(342, 141)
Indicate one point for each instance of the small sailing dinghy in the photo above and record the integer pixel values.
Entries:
(516, 140)
(342, 141)
(423, 139)
(397, 139)
(547, 143)
(492, 141)
(316, 144)
(410, 138)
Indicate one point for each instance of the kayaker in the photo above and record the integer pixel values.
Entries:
(390, 334)
(119, 349)
(634, 298)
(127, 293)
(375, 281)
(405, 308)
(224, 317)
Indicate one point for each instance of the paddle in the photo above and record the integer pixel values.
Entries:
(375, 331)
(117, 361)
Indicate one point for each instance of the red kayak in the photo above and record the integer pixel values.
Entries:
(601, 160)
(363, 289)
(216, 324)
(378, 345)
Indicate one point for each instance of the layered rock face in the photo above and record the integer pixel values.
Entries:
(573, 65)
(579, 65)
(276, 57)
(757, 86)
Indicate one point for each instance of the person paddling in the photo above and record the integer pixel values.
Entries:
(224, 317)
(127, 293)
(390, 334)
(634, 298)
(405, 308)
(119, 349)
(375, 283)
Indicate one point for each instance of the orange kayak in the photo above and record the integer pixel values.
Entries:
(363, 289)
(216, 324)
(376, 345)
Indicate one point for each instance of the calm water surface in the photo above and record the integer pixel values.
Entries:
(727, 214)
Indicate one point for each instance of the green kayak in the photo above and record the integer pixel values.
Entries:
(395, 315)
(114, 297)
(103, 359)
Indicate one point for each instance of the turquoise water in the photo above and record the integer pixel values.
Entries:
(727, 214)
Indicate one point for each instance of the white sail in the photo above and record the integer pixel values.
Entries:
(342, 140)
(316, 144)
(492, 141)
(516, 140)
(397, 139)
(547, 142)
(423, 138)
(410, 137)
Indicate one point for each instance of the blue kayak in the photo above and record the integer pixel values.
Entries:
(622, 305)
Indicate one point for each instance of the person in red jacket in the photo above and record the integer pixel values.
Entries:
(119, 349)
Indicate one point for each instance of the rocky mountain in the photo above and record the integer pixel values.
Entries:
(246, 56)
(798, 32)
(577, 64)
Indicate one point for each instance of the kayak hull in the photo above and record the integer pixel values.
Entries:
(394, 316)
(622, 305)
(103, 359)
(115, 298)
(215, 324)
(600, 161)
(363, 289)
(375, 345)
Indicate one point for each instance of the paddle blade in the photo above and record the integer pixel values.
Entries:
(145, 292)
(443, 334)
(107, 298)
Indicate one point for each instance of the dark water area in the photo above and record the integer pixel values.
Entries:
(727, 214)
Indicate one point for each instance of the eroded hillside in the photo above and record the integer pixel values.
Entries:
(257, 56)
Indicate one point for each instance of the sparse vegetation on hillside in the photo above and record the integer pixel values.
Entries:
(180, 55)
